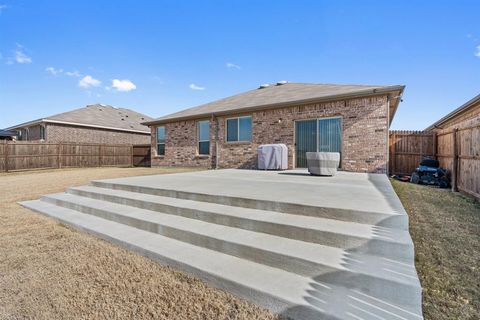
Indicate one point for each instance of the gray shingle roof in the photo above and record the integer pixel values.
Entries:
(275, 95)
(100, 115)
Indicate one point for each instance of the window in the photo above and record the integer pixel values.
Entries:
(42, 132)
(203, 137)
(239, 129)
(161, 141)
(317, 135)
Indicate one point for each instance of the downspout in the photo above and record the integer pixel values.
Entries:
(216, 136)
(388, 135)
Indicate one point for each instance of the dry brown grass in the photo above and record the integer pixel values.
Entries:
(445, 228)
(48, 271)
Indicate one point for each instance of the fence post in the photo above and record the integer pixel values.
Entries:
(455, 161)
(6, 155)
(131, 151)
(99, 155)
(60, 155)
(393, 145)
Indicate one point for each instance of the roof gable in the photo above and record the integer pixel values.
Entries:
(460, 110)
(274, 95)
(100, 115)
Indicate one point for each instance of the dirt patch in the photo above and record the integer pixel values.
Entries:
(49, 271)
(445, 228)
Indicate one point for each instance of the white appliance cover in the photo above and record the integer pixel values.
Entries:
(272, 157)
(323, 163)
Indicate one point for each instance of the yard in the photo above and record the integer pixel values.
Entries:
(49, 271)
(445, 228)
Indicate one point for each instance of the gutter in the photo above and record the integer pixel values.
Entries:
(357, 94)
(40, 121)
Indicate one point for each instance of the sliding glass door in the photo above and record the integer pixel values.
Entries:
(318, 135)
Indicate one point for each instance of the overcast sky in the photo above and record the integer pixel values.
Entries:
(158, 57)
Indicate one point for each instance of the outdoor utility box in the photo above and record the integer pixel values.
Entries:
(323, 163)
(272, 157)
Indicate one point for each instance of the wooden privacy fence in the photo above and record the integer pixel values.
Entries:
(407, 149)
(25, 155)
(141, 155)
(458, 150)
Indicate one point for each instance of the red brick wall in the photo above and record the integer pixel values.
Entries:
(365, 136)
(181, 145)
(65, 133)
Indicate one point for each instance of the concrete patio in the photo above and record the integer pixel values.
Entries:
(305, 247)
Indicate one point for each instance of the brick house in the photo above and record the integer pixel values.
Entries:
(464, 116)
(350, 119)
(96, 123)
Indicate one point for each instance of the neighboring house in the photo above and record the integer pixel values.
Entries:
(96, 123)
(457, 146)
(466, 115)
(7, 135)
(350, 119)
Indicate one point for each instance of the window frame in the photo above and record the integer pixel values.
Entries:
(317, 119)
(238, 129)
(199, 135)
(158, 143)
(43, 132)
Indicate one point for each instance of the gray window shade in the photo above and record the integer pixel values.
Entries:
(232, 129)
(239, 129)
(323, 135)
(305, 140)
(330, 135)
(245, 129)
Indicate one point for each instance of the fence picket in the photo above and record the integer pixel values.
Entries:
(27, 155)
(457, 150)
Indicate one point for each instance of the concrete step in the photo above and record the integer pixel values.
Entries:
(283, 292)
(357, 238)
(388, 278)
(395, 219)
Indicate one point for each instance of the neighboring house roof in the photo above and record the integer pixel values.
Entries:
(6, 133)
(463, 108)
(279, 95)
(98, 116)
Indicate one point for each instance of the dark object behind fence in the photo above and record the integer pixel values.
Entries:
(457, 150)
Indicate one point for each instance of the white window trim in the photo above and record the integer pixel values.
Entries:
(238, 129)
(198, 138)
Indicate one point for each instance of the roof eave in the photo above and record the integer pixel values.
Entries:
(26, 124)
(39, 121)
(464, 107)
(358, 94)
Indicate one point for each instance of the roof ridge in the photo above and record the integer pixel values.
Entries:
(276, 95)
